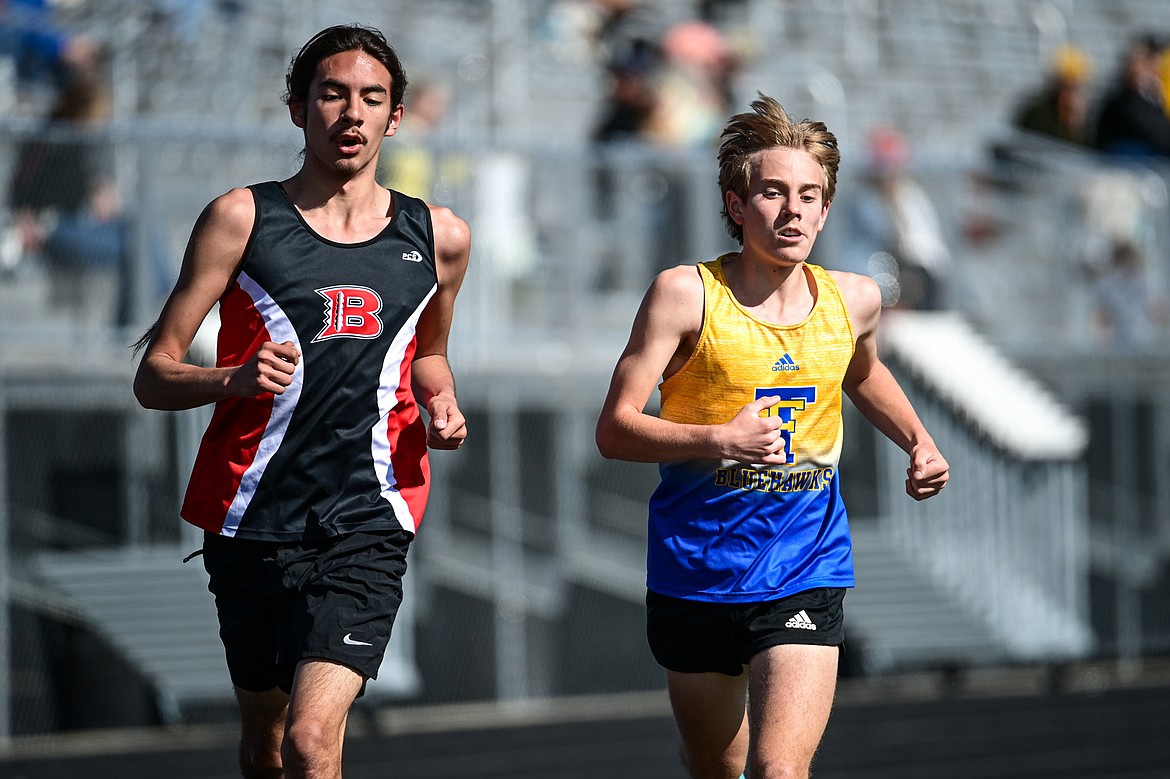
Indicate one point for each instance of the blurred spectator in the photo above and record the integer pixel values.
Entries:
(671, 91)
(596, 32)
(1059, 108)
(1133, 121)
(625, 111)
(629, 98)
(1127, 314)
(895, 235)
(623, 26)
(690, 104)
(715, 11)
(185, 20)
(1164, 76)
(67, 211)
(44, 56)
(410, 164)
(621, 37)
(693, 91)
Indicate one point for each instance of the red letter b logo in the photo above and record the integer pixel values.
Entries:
(350, 312)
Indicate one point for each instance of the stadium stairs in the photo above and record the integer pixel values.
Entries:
(159, 615)
(897, 618)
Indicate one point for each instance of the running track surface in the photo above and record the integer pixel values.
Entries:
(1085, 735)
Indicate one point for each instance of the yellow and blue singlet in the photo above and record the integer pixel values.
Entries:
(732, 532)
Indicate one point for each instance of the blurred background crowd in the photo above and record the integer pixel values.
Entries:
(1005, 180)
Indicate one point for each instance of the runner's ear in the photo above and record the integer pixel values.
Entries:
(296, 111)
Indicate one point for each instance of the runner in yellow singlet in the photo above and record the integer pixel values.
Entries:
(749, 554)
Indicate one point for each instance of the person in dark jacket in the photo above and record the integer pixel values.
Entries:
(1133, 120)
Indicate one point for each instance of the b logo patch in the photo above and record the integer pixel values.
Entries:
(350, 312)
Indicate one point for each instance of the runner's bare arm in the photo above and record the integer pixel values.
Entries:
(213, 256)
(434, 384)
(879, 397)
(663, 336)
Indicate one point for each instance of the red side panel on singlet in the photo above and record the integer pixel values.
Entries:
(239, 423)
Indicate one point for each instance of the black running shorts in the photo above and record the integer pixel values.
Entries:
(693, 636)
(281, 603)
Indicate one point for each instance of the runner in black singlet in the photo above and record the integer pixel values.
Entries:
(335, 297)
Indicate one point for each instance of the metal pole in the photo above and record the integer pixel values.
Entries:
(507, 553)
(189, 427)
(5, 572)
(510, 109)
(1128, 598)
(143, 303)
(574, 438)
(141, 441)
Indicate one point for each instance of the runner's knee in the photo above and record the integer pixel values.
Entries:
(764, 767)
(310, 741)
(713, 766)
(259, 763)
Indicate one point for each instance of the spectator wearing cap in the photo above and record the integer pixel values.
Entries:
(1059, 108)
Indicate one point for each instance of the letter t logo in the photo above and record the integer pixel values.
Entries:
(793, 399)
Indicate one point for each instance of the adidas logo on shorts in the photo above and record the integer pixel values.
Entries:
(801, 621)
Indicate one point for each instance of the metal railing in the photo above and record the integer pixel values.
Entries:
(1010, 534)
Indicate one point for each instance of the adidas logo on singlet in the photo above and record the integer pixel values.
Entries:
(785, 363)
